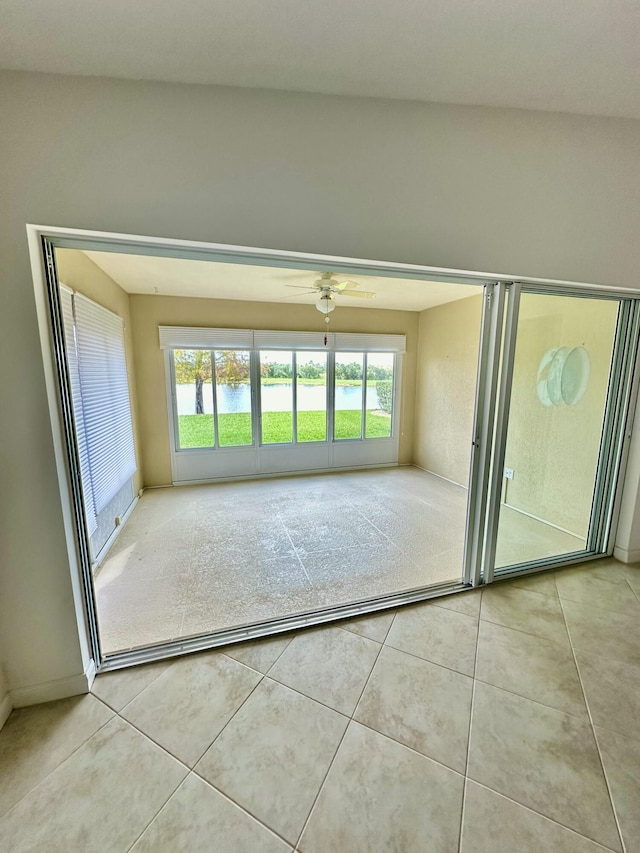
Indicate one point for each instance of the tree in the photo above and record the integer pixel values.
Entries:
(193, 367)
(383, 387)
(232, 367)
(311, 370)
(353, 370)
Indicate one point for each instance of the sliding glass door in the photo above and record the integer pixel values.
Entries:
(564, 377)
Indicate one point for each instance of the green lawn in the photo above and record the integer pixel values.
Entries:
(235, 429)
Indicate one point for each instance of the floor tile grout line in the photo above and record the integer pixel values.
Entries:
(528, 633)
(634, 738)
(462, 811)
(155, 743)
(243, 807)
(427, 660)
(579, 719)
(162, 807)
(539, 814)
(331, 763)
(582, 720)
(291, 639)
(232, 717)
(60, 763)
(471, 707)
(595, 739)
(570, 600)
(142, 689)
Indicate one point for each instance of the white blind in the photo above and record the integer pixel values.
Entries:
(105, 398)
(353, 342)
(66, 301)
(179, 337)
(293, 340)
(184, 337)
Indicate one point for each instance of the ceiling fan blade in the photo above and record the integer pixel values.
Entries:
(347, 285)
(360, 294)
(297, 295)
(298, 286)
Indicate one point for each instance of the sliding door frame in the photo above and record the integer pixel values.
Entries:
(622, 391)
(498, 289)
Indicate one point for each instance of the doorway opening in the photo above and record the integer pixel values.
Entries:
(274, 470)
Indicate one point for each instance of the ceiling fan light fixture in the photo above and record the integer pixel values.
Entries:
(325, 303)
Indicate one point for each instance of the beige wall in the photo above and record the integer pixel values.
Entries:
(553, 450)
(523, 193)
(449, 337)
(80, 273)
(149, 312)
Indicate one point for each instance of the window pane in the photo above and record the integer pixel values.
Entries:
(276, 392)
(379, 395)
(311, 390)
(194, 397)
(558, 403)
(348, 395)
(233, 398)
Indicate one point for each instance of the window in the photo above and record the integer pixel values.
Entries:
(213, 398)
(368, 402)
(236, 388)
(194, 398)
(276, 397)
(348, 395)
(379, 395)
(94, 341)
(311, 396)
(233, 398)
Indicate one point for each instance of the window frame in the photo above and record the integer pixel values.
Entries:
(255, 384)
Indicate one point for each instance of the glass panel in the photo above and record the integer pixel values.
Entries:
(194, 398)
(311, 396)
(276, 394)
(562, 362)
(348, 395)
(233, 398)
(379, 397)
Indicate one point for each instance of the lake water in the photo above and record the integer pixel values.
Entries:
(275, 398)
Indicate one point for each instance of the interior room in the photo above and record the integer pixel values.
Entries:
(176, 554)
(441, 648)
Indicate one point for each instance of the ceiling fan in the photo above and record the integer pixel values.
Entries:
(327, 288)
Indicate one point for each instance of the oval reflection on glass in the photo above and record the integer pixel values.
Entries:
(575, 376)
(563, 376)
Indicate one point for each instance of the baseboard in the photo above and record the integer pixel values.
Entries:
(279, 475)
(543, 521)
(439, 476)
(6, 707)
(102, 553)
(59, 688)
(627, 556)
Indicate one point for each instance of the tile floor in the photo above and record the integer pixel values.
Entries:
(499, 720)
(201, 558)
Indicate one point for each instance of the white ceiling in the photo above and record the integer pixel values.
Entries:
(178, 277)
(578, 56)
